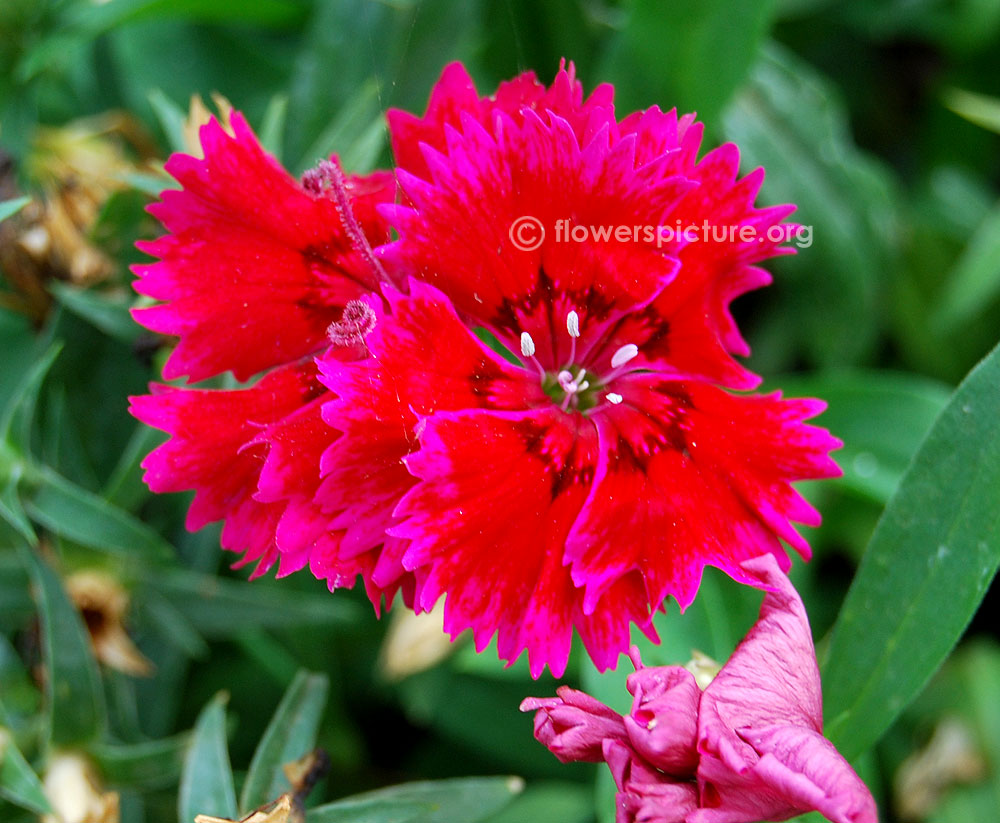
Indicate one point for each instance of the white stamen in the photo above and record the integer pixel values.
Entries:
(573, 324)
(624, 354)
(614, 398)
(527, 345)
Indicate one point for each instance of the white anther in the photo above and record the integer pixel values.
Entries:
(624, 354)
(527, 345)
(614, 398)
(573, 324)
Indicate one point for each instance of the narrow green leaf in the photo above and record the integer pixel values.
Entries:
(272, 127)
(290, 735)
(11, 510)
(18, 343)
(974, 283)
(172, 625)
(207, 779)
(976, 108)
(21, 699)
(74, 698)
(150, 764)
(343, 129)
(124, 487)
(552, 802)
(460, 800)
(18, 782)
(109, 314)
(8, 208)
(925, 571)
(15, 421)
(171, 117)
(218, 607)
(82, 516)
(361, 156)
(151, 184)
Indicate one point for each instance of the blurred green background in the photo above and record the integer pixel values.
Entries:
(879, 119)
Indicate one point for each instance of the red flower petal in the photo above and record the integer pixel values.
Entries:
(489, 522)
(254, 268)
(454, 96)
(458, 235)
(713, 472)
(422, 359)
(214, 449)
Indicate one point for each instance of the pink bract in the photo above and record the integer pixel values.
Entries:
(749, 748)
(572, 481)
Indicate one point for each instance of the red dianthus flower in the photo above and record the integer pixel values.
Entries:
(574, 483)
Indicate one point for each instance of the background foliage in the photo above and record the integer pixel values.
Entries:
(879, 118)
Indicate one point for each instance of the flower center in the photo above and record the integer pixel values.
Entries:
(575, 388)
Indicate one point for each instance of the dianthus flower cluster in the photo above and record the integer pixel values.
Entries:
(548, 437)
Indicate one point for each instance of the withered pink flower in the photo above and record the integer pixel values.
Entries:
(749, 748)
(574, 726)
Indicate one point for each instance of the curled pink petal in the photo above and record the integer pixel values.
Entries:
(663, 724)
(574, 725)
(749, 749)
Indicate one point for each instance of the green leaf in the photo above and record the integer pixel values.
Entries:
(109, 314)
(272, 127)
(974, 283)
(82, 516)
(172, 625)
(290, 735)
(171, 117)
(11, 471)
(361, 155)
(925, 571)
(207, 779)
(976, 108)
(830, 287)
(552, 802)
(152, 184)
(20, 696)
(150, 764)
(18, 782)
(124, 487)
(882, 417)
(18, 343)
(15, 421)
(218, 607)
(344, 129)
(460, 800)
(8, 208)
(74, 698)
(692, 57)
